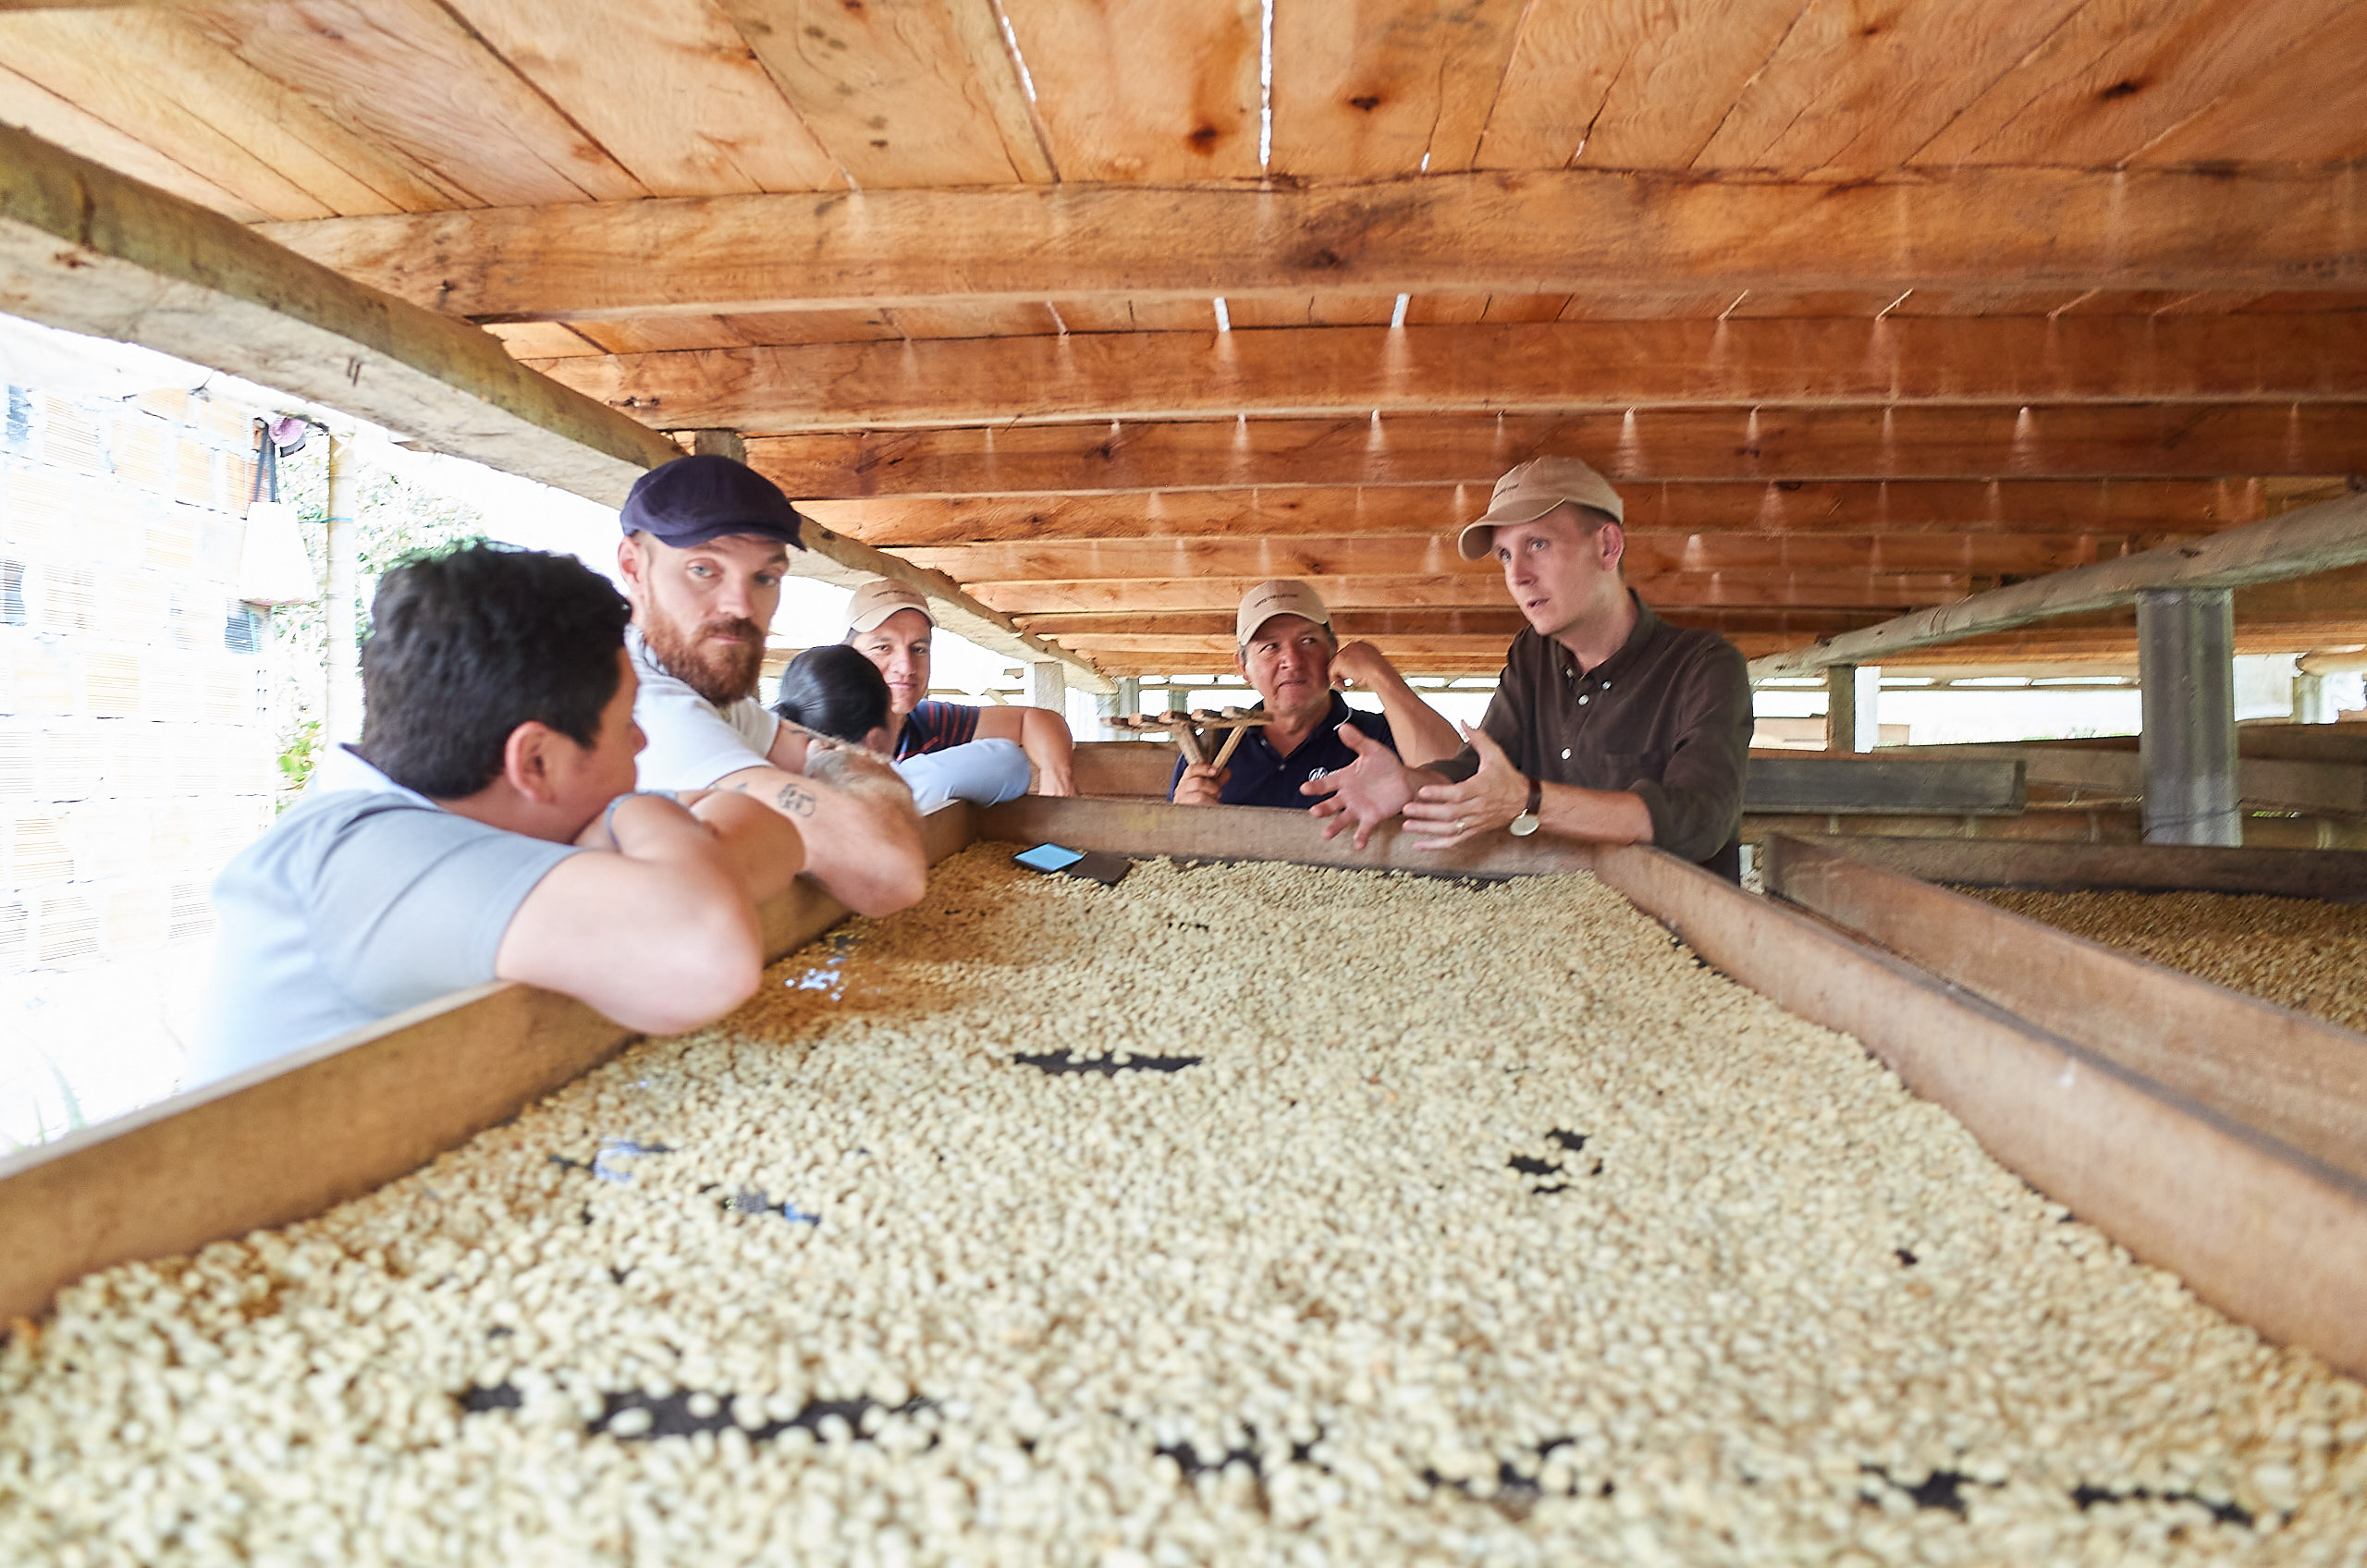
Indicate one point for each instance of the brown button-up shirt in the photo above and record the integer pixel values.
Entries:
(1667, 716)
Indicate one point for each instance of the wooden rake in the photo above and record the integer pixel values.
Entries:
(1192, 731)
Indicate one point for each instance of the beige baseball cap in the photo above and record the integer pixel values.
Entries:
(879, 599)
(1281, 595)
(1529, 492)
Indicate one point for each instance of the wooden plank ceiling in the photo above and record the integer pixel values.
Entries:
(1108, 308)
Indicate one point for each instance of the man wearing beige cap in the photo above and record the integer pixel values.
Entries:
(1284, 647)
(890, 625)
(1609, 723)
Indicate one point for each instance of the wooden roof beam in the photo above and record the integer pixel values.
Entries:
(1496, 623)
(2018, 555)
(1695, 589)
(1552, 367)
(1568, 231)
(1945, 506)
(91, 251)
(2134, 441)
(2326, 537)
(94, 251)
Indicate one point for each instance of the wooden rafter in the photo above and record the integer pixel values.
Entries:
(2017, 555)
(1703, 589)
(1937, 506)
(2322, 538)
(1547, 367)
(1571, 231)
(86, 248)
(1806, 445)
(1496, 622)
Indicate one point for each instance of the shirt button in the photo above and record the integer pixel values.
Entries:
(1584, 701)
(1565, 753)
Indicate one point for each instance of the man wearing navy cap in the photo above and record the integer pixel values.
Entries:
(706, 543)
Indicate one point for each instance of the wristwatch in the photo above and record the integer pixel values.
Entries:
(1526, 822)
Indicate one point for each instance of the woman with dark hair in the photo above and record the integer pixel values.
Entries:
(835, 691)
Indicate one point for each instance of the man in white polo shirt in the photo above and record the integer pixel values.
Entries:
(706, 543)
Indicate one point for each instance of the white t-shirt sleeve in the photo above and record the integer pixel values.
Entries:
(409, 904)
(691, 742)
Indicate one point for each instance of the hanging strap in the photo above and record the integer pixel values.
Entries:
(266, 465)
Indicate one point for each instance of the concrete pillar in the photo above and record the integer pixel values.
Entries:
(342, 718)
(2313, 703)
(1127, 700)
(1853, 707)
(2185, 652)
(1047, 686)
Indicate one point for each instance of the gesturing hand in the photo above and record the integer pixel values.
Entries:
(1442, 815)
(1358, 664)
(1367, 792)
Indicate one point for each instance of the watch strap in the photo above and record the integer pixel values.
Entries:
(1535, 797)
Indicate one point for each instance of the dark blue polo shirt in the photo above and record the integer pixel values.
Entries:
(1261, 776)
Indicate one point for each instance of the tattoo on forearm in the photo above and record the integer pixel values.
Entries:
(794, 800)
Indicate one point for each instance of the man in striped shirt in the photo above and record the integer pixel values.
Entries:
(890, 625)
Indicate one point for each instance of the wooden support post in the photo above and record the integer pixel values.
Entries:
(720, 444)
(1853, 699)
(2185, 642)
(342, 716)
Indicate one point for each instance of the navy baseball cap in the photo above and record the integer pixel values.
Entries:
(693, 499)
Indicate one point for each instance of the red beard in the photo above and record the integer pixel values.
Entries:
(722, 673)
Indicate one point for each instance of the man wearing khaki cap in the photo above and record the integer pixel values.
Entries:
(890, 625)
(1284, 647)
(1609, 723)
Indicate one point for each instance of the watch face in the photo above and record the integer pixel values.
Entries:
(1523, 825)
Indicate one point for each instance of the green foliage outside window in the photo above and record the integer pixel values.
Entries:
(396, 519)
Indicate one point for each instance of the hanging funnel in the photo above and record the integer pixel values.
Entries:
(272, 567)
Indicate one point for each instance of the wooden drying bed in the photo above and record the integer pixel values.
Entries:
(2227, 1147)
(1859, 786)
(2332, 876)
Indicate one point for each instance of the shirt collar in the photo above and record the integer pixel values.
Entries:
(1339, 713)
(1647, 627)
(342, 768)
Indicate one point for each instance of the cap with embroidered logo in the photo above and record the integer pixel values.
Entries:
(1280, 595)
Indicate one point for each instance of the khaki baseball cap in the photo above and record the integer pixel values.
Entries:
(879, 599)
(1529, 492)
(1280, 595)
